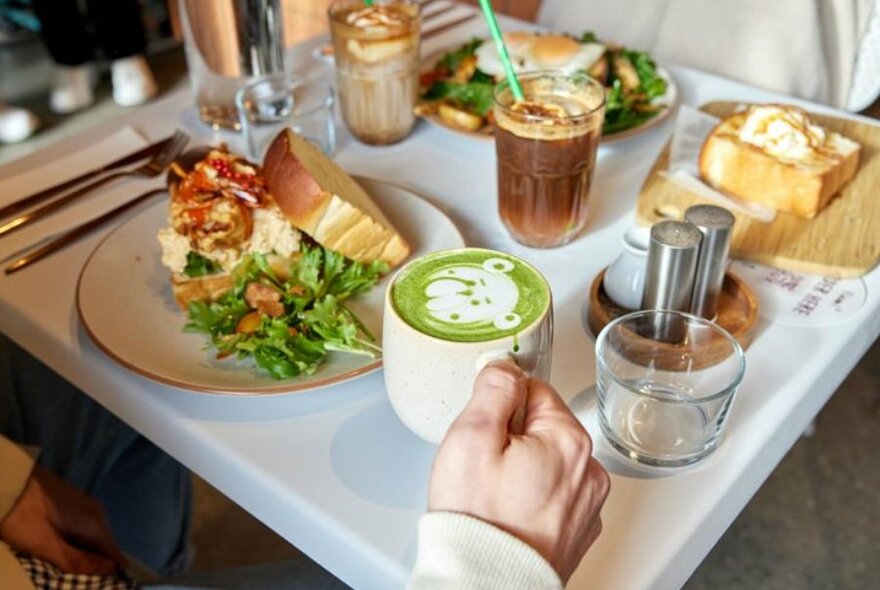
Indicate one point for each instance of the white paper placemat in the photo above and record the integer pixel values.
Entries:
(801, 299)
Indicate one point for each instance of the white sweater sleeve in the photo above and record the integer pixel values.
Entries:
(461, 552)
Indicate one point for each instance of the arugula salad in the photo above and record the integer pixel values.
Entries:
(460, 93)
(289, 324)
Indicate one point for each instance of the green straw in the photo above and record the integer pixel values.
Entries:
(368, 2)
(502, 49)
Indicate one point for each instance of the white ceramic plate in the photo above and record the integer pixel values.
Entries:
(667, 101)
(125, 302)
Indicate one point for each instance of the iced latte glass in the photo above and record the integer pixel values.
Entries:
(546, 148)
(376, 49)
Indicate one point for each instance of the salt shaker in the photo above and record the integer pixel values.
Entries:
(672, 265)
(669, 279)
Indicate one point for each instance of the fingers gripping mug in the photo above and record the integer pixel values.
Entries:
(447, 315)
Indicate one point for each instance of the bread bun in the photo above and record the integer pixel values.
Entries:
(323, 201)
(802, 185)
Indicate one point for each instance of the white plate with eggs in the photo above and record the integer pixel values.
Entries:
(539, 51)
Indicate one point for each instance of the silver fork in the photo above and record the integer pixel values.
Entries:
(154, 167)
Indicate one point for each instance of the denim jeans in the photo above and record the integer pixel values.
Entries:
(293, 574)
(145, 493)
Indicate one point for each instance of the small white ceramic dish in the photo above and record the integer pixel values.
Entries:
(624, 280)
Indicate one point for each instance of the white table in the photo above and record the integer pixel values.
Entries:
(337, 475)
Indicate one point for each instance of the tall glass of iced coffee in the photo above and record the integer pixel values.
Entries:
(546, 146)
(376, 49)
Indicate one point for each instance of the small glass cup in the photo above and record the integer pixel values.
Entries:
(666, 381)
(268, 105)
(376, 51)
(546, 158)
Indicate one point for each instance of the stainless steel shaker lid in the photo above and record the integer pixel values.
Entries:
(676, 234)
(709, 216)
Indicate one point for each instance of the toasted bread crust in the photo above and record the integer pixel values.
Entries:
(323, 201)
(208, 288)
(212, 287)
(747, 172)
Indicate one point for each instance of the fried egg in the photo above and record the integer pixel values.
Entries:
(489, 62)
(539, 52)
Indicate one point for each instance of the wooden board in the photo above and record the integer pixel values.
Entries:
(843, 240)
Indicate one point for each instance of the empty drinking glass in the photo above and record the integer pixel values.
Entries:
(268, 105)
(666, 381)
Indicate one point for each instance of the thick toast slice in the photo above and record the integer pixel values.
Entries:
(800, 186)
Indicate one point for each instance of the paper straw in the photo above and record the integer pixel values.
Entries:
(489, 14)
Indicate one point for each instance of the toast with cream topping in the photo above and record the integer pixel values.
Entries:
(775, 155)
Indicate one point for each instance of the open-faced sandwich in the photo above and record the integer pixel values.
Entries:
(776, 155)
(458, 88)
(262, 258)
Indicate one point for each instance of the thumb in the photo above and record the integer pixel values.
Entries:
(499, 394)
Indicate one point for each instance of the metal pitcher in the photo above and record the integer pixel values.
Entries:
(228, 43)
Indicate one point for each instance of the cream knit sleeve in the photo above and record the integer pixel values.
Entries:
(464, 553)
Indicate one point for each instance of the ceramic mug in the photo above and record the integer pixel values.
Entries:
(624, 280)
(447, 315)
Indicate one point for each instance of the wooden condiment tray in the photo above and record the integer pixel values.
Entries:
(737, 308)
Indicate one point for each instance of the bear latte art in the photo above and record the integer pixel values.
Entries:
(470, 296)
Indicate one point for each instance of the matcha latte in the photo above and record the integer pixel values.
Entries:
(470, 295)
(446, 316)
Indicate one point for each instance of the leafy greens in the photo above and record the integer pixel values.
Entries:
(477, 96)
(625, 108)
(199, 266)
(314, 322)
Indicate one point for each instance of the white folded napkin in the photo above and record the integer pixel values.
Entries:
(109, 148)
(691, 128)
(81, 159)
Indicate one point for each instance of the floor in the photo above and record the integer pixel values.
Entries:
(813, 524)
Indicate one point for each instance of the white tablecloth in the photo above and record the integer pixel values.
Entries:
(336, 474)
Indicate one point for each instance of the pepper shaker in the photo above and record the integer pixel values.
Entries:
(716, 225)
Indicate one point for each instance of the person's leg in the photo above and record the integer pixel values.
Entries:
(64, 31)
(291, 574)
(152, 494)
(144, 491)
(119, 31)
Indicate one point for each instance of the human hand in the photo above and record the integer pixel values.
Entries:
(56, 522)
(541, 484)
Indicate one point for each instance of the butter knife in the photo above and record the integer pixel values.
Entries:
(50, 192)
(72, 235)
